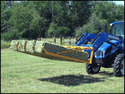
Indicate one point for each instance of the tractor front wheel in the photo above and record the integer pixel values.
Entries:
(92, 68)
(118, 67)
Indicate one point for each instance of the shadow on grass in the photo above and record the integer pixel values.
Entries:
(106, 73)
(73, 80)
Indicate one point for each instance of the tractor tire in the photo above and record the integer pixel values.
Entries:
(118, 67)
(92, 68)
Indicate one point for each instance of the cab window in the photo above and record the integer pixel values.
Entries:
(118, 29)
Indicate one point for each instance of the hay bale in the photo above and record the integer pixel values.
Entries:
(21, 45)
(38, 46)
(54, 48)
(13, 45)
(50, 47)
(29, 46)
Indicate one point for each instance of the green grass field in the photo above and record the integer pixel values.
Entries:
(24, 73)
(4, 44)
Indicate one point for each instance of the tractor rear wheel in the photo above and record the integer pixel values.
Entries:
(92, 68)
(118, 67)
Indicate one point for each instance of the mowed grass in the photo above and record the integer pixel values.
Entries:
(24, 73)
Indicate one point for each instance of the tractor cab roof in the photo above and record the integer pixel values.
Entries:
(116, 22)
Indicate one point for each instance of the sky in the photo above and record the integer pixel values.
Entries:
(119, 2)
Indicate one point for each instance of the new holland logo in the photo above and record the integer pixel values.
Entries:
(113, 37)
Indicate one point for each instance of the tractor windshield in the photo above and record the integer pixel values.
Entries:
(118, 29)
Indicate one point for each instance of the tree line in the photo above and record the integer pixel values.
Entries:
(33, 19)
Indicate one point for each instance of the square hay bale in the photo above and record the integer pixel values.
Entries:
(38, 46)
(29, 46)
(13, 45)
(54, 48)
(21, 45)
(35, 48)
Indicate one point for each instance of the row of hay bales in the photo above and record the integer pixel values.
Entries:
(35, 47)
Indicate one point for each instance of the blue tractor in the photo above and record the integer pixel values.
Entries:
(101, 50)
(108, 49)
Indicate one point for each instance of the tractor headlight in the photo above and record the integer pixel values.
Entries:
(97, 53)
(103, 53)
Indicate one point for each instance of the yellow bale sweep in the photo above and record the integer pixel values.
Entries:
(41, 48)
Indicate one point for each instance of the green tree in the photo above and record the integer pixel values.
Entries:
(5, 17)
(63, 17)
(94, 25)
(82, 11)
(109, 11)
(43, 9)
(33, 19)
(59, 30)
(26, 21)
(50, 31)
(119, 13)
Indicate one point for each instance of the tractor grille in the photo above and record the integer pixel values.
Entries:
(98, 53)
(108, 50)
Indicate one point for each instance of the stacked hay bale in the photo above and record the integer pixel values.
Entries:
(21, 45)
(54, 48)
(35, 48)
(30, 45)
(14, 45)
(39, 51)
(38, 46)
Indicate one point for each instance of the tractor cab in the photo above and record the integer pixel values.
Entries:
(117, 29)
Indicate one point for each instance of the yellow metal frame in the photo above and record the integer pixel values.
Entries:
(74, 49)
